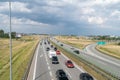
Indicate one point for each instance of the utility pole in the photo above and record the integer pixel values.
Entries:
(10, 44)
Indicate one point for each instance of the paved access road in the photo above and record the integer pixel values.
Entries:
(43, 69)
(107, 63)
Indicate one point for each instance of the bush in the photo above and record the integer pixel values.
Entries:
(119, 43)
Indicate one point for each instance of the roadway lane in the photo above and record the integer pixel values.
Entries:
(73, 73)
(43, 69)
(92, 51)
(104, 62)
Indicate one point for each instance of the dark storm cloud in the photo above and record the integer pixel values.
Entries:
(67, 16)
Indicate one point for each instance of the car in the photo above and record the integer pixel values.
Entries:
(48, 42)
(61, 44)
(55, 60)
(86, 76)
(47, 49)
(51, 46)
(58, 52)
(77, 51)
(44, 42)
(55, 48)
(61, 75)
(69, 64)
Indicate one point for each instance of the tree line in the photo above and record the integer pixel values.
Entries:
(6, 35)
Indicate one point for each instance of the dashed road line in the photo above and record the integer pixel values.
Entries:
(50, 72)
(41, 55)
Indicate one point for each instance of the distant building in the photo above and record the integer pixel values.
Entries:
(18, 35)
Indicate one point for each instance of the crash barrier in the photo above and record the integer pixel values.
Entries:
(91, 63)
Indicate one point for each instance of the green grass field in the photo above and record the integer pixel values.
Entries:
(22, 51)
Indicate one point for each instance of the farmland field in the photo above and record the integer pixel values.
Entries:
(22, 51)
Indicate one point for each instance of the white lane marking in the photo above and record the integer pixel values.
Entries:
(47, 63)
(51, 75)
(68, 73)
(74, 63)
(41, 55)
(49, 68)
(35, 62)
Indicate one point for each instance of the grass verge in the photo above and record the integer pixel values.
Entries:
(110, 49)
(22, 52)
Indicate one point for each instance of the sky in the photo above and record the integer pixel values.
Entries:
(78, 17)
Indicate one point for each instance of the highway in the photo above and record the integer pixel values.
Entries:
(107, 63)
(43, 69)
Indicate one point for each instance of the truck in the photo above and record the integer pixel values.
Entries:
(52, 53)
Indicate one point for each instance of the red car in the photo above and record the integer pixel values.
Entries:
(69, 64)
(58, 52)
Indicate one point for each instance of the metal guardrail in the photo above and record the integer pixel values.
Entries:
(87, 60)
(25, 76)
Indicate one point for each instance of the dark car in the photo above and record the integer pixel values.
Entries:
(55, 48)
(61, 44)
(51, 46)
(86, 76)
(77, 51)
(47, 49)
(55, 60)
(44, 42)
(61, 75)
(48, 42)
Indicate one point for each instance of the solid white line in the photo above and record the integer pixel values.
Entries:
(35, 62)
(68, 73)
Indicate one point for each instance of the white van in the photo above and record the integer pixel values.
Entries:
(51, 53)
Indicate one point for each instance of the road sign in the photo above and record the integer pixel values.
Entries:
(101, 43)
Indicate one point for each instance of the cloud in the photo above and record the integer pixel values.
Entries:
(96, 20)
(67, 16)
(15, 6)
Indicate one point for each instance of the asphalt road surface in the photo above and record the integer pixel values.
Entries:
(105, 62)
(43, 69)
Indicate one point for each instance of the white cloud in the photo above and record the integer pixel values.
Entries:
(96, 20)
(16, 7)
(88, 10)
(115, 13)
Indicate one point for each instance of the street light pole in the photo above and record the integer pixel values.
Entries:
(10, 44)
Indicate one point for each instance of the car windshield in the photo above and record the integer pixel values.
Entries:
(69, 62)
(54, 58)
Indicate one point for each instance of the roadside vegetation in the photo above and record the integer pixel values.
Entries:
(110, 49)
(23, 49)
(80, 42)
